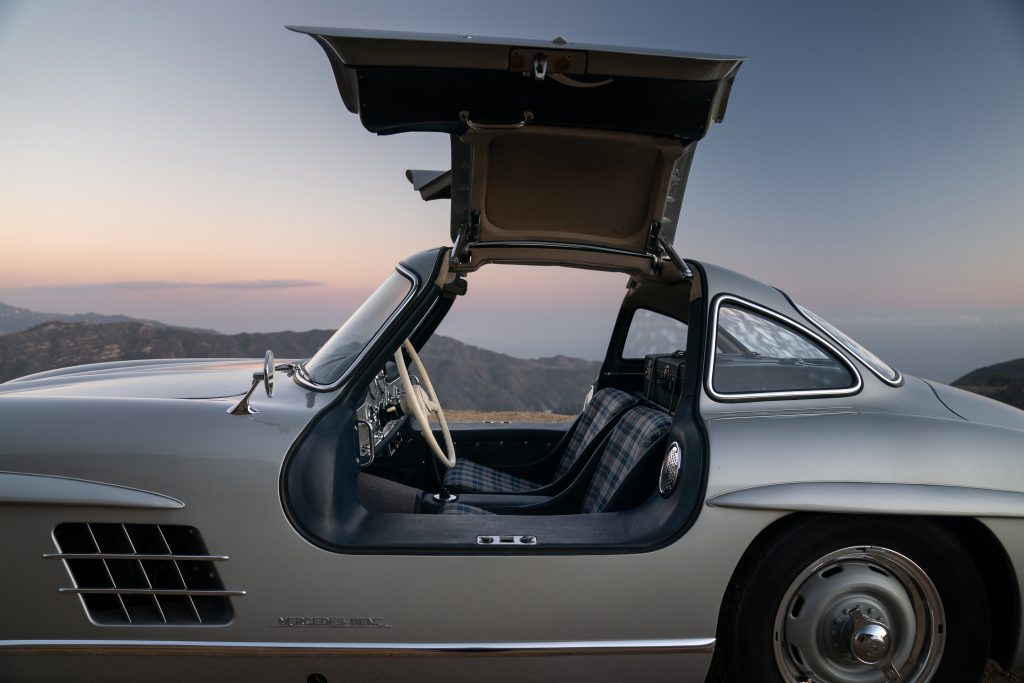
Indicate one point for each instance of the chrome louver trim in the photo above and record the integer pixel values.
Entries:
(143, 574)
(131, 556)
(148, 591)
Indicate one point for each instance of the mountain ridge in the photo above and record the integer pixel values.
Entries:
(465, 376)
(1002, 382)
(19, 319)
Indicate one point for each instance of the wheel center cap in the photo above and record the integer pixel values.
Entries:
(870, 644)
(870, 640)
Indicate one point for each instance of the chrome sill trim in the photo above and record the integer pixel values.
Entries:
(788, 322)
(130, 556)
(303, 379)
(150, 591)
(657, 646)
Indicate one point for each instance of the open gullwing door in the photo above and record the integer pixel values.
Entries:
(552, 142)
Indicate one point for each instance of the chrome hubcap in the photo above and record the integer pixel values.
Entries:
(863, 614)
(871, 641)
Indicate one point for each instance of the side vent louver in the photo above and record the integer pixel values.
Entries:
(143, 574)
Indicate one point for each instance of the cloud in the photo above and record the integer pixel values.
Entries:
(995, 319)
(136, 285)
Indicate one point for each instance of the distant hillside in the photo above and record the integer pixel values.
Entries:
(465, 376)
(59, 344)
(16, 319)
(1002, 381)
(473, 378)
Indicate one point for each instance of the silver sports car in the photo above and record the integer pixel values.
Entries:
(746, 490)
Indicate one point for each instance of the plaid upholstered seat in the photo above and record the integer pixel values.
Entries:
(606, 405)
(634, 436)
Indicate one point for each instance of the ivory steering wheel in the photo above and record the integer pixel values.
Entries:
(419, 402)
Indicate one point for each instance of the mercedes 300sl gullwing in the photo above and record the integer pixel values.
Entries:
(746, 491)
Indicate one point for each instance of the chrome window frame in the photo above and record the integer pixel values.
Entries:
(896, 381)
(303, 379)
(786, 321)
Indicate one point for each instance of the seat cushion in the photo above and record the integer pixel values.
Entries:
(472, 477)
(604, 408)
(634, 436)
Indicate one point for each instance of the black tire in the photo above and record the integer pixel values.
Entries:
(781, 614)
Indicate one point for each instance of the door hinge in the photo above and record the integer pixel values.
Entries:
(469, 232)
(658, 248)
(654, 238)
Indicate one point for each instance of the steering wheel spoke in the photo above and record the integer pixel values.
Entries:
(420, 401)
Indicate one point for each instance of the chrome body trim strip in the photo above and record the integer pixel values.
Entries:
(303, 379)
(788, 322)
(659, 646)
(131, 556)
(150, 591)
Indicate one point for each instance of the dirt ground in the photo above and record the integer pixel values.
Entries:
(454, 416)
(995, 674)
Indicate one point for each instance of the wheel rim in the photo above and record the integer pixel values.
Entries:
(863, 614)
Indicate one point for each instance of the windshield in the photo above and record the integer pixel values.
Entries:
(876, 364)
(329, 364)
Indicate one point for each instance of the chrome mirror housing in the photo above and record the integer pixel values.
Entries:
(267, 377)
(268, 373)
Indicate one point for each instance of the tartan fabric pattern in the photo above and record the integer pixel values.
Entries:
(461, 509)
(472, 477)
(633, 436)
(604, 407)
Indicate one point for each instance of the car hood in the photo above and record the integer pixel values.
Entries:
(551, 141)
(183, 378)
(977, 408)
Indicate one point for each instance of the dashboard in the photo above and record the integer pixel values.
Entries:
(379, 419)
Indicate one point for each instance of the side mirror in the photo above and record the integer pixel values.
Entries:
(267, 377)
(268, 373)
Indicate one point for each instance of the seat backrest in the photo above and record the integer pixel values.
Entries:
(604, 408)
(634, 436)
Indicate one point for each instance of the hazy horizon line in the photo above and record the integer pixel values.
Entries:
(286, 283)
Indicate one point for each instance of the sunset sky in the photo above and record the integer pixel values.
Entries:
(192, 162)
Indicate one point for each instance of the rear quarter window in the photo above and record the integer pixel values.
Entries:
(759, 356)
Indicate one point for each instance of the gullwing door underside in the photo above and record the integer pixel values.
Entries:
(552, 142)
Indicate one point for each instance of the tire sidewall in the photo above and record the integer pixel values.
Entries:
(771, 568)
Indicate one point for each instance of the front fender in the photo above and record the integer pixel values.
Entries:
(875, 498)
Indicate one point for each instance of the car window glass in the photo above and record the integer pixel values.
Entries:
(755, 354)
(334, 358)
(651, 332)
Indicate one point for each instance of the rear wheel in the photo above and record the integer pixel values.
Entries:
(856, 600)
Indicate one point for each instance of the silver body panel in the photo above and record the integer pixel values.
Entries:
(226, 470)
